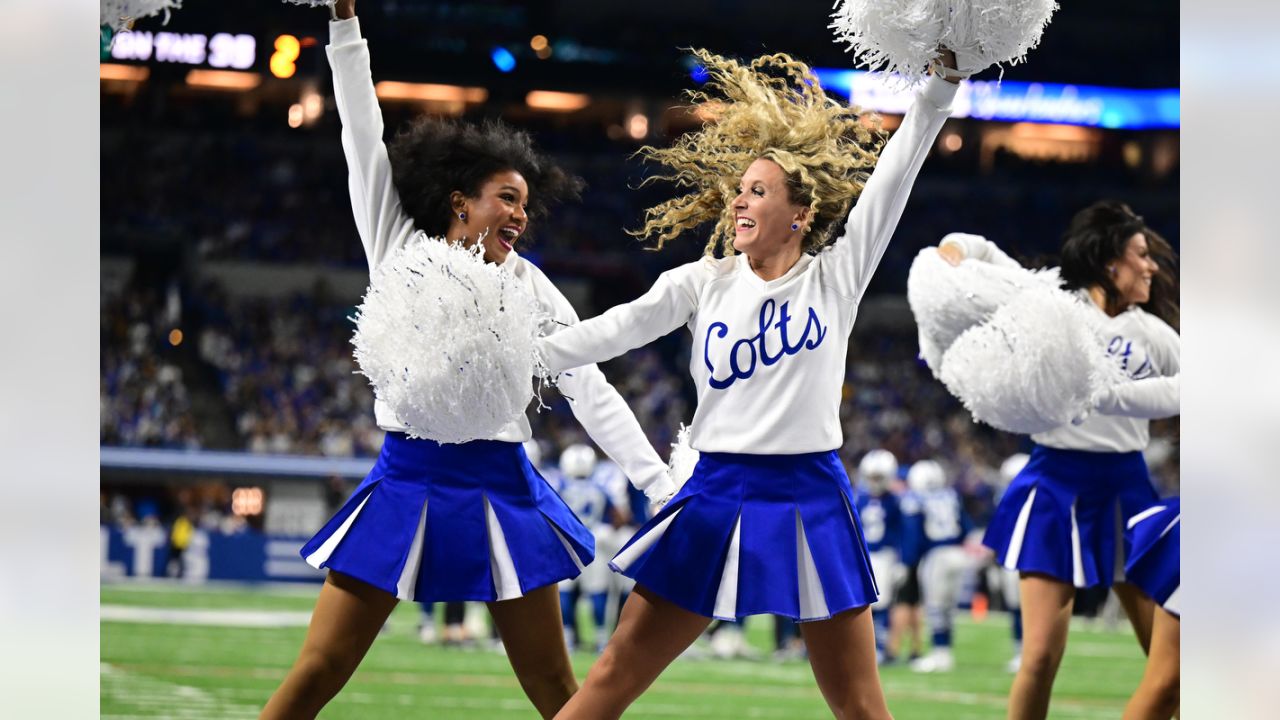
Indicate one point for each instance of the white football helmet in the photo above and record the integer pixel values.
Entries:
(578, 461)
(1011, 466)
(877, 468)
(926, 475)
(534, 452)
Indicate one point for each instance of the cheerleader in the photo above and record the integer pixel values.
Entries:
(471, 521)
(1058, 522)
(1153, 537)
(767, 521)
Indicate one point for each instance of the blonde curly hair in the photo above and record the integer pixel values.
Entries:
(772, 108)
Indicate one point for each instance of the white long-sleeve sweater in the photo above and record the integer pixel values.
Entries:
(1144, 346)
(384, 226)
(769, 356)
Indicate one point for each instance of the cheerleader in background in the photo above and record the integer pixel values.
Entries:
(1058, 522)
(470, 521)
(766, 523)
(1153, 537)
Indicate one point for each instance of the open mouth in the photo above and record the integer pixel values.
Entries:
(745, 224)
(508, 235)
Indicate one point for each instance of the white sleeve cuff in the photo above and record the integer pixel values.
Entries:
(344, 32)
(939, 92)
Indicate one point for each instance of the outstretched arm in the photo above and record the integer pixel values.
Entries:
(669, 304)
(1151, 398)
(603, 413)
(956, 247)
(380, 219)
(877, 210)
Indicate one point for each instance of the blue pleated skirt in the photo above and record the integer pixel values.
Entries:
(1062, 514)
(1153, 564)
(754, 534)
(470, 521)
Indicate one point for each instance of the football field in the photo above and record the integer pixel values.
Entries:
(214, 652)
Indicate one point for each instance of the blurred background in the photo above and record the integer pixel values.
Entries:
(232, 423)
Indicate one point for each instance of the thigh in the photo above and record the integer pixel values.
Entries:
(653, 631)
(1166, 646)
(532, 631)
(842, 653)
(1046, 612)
(1140, 609)
(347, 618)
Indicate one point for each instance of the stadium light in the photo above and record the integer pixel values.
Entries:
(283, 61)
(392, 90)
(556, 101)
(124, 73)
(503, 59)
(223, 79)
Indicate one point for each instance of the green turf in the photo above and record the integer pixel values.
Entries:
(200, 671)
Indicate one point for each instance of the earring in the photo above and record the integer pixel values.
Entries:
(462, 216)
(1111, 269)
(795, 227)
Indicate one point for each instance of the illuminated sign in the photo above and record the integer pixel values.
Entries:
(1009, 101)
(222, 50)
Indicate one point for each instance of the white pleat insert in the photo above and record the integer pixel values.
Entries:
(506, 584)
(322, 553)
(1144, 515)
(1174, 603)
(813, 601)
(727, 594)
(1019, 532)
(1077, 560)
(641, 544)
(405, 586)
(568, 547)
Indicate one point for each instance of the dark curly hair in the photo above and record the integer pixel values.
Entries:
(1098, 236)
(432, 157)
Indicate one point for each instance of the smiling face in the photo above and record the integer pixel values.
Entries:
(496, 213)
(1133, 270)
(764, 213)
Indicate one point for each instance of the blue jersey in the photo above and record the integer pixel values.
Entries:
(943, 520)
(881, 520)
(588, 499)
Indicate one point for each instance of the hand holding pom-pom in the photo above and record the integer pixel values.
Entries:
(120, 14)
(903, 37)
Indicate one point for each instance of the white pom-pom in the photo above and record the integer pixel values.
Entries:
(683, 458)
(903, 36)
(312, 3)
(448, 341)
(1034, 366)
(947, 300)
(120, 14)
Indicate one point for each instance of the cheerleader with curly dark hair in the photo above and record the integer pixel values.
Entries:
(446, 522)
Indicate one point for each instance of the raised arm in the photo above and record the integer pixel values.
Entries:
(381, 221)
(669, 304)
(876, 212)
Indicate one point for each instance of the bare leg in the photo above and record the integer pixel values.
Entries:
(651, 633)
(842, 652)
(531, 633)
(1157, 696)
(1140, 609)
(347, 618)
(1046, 616)
(915, 629)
